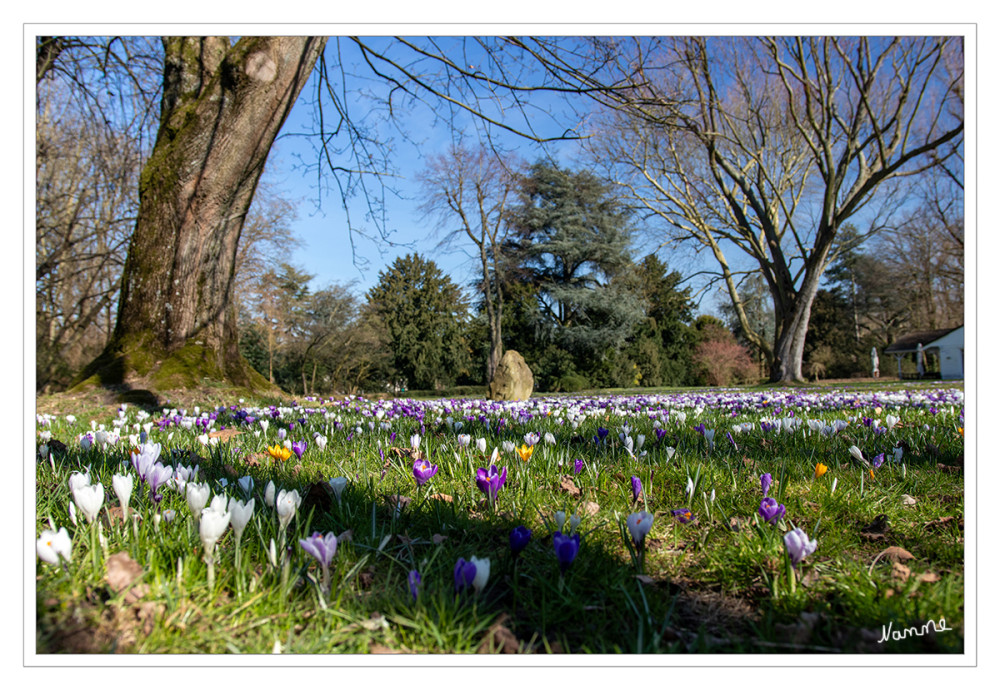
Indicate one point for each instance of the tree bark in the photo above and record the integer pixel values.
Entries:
(223, 105)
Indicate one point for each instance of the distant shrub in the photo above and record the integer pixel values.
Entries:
(723, 362)
(572, 383)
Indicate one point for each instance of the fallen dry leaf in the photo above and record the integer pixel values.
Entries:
(645, 579)
(909, 500)
(897, 554)
(900, 571)
(224, 434)
(122, 571)
(376, 648)
(499, 639)
(567, 485)
(943, 522)
(442, 497)
(588, 509)
(928, 577)
(397, 501)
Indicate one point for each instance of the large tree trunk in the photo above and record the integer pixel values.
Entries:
(222, 108)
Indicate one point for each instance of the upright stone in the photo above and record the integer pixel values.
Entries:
(513, 379)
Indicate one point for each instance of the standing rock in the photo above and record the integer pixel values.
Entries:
(513, 379)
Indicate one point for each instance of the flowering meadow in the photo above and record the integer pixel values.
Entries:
(799, 520)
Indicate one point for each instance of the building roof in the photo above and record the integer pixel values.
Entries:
(909, 342)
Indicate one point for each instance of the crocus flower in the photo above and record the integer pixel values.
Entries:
(639, 525)
(636, 488)
(51, 546)
(524, 452)
(771, 511)
(414, 581)
(559, 517)
(465, 574)
(856, 453)
(321, 547)
(338, 484)
(269, 491)
(415, 441)
(210, 529)
(798, 545)
(240, 514)
(279, 452)
(820, 470)
(157, 477)
(490, 481)
(878, 460)
(286, 504)
(519, 538)
(78, 479)
(481, 444)
(482, 573)
(197, 497)
(765, 482)
(566, 548)
(683, 515)
(245, 484)
(89, 500)
(122, 485)
(577, 466)
(463, 440)
(299, 447)
(423, 471)
(321, 442)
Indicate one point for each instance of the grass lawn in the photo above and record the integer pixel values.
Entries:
(712, 575)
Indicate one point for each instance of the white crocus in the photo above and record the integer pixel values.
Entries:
(122, 485)
(550, 438)
(574, 522)
(321, 442)
(338, 484)
(89, 500)
(560, 519)
(240, 514)
(72, 513)
(481, 444)
(482, 573)
(269, 494)
(51, 546)
(197, 498)
(415, 441)
(218, 503)
(890, 421)
(78, 480)
(245, 484)
(286, 504)
(639, 525)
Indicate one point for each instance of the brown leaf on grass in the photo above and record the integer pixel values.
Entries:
(897, 554)
(397, 501)
(909, 500)
(146, 613)
(928, 577)
(645, 579)
(442, 497)
(588, 509)
(376, 648)
(122, 571)
(953, 469)
(413, 455)
(366, 578)
(943, 522)
(224, 434)
(900, 571)
(229, 471)
(254, 459)
(567, 485)
(499, 639)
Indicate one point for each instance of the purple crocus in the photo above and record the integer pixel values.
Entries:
(414, 580)
(157, 476)
(636, 488)
(577, 466)
(566, 548)
(465, 573)
(683, 515)
(423, 470)
(765, 482)
(660, 433)
(323, 548)
(771, 511)
(299, 447)
(490, 481)
(519, 538)
(878, 460)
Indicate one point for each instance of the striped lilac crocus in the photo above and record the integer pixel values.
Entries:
(636, 488)
(299, 447)
(765, 482)
(771, 511)
(490, 481)
(423, 471)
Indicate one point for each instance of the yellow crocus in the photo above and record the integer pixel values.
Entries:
(820, 469)
(525, 451)
(279, 452)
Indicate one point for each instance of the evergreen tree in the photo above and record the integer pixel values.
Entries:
(570, 247)
(425, 316)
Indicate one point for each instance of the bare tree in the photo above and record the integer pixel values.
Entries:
(468, 191)
(768, 146)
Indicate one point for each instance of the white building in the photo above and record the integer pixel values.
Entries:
(947, 346)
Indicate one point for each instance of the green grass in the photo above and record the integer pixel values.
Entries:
(718, 584)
